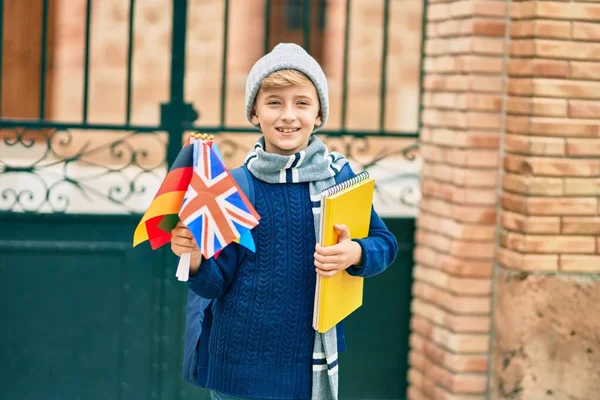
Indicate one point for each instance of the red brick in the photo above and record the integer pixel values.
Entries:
(581, 225)
(458, 195)
(552, 166)
(549, 107)
(583, 147)
(570, 89)
(537, 68)
(558, 244)
(438, 12)
(540, 107)
(585, 70)
(456, 342)
(458, 363)
(488, 8)
(474, 214)
(586, 31)
(582, 186)
(476, 140)
(474, 177)
(547, 243)
(520, 87)
(514, 202)
(585, 264)
(532, 145)
(450, 302)
(470, 158)
(530, 185)
(517, 124)
(528, 224)
(455, 323)
(540, 29)
(584, 109)
(455, 229)
(527, 262)
(575, 11)
(453, 265)
(562, 206)
(458, 286)
(563, 127)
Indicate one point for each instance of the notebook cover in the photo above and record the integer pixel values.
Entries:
(338, 296)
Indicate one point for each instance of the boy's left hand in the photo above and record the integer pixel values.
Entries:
(329, 260)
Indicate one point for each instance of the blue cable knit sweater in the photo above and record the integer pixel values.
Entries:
(262, 338)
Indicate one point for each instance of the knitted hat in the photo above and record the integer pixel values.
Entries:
(287, 56)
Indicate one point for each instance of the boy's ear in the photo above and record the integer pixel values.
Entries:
(254, 117)
(319, 119)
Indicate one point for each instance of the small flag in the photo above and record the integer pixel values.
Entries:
(215, 209)
(161, 216)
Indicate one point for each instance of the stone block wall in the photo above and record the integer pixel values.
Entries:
(506, 278)
(547, 288)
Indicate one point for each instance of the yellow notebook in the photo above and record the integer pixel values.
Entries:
(347, 203)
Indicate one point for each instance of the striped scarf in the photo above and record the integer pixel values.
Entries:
(317, 166)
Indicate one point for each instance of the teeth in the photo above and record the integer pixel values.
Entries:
(287, 130)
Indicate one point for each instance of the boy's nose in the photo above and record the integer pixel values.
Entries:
(288, 115)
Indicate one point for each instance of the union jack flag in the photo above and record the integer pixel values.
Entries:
(215, 209)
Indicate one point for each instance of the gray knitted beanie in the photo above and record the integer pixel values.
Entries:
(287, 56)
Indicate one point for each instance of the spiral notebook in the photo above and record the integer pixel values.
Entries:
(347, 203)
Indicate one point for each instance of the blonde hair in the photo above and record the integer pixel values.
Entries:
(284, 78)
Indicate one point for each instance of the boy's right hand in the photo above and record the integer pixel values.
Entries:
(182, 241)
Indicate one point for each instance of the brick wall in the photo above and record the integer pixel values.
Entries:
(547, 298)
(456, 228)
(517, 239)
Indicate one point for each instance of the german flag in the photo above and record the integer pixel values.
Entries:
(162, 215)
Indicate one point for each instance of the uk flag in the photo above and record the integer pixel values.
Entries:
(215, 209)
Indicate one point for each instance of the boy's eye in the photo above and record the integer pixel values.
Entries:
(303, 103)
(273, 102)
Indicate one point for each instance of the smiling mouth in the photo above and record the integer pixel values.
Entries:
(288, 130)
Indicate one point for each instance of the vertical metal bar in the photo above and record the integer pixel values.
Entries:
(306, 25)
(1, 48)
(224, 63)
(178, 43)
(44, 45)
(173, 123)
(345, 73)
(383, 88)
(86, 71)
(130, 60)
(266, 46)
(422, 63)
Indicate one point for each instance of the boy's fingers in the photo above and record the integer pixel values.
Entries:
(182, 232)
(326, 259)
(344, 232)
(325, 266)
(327, 251)
(326, 273)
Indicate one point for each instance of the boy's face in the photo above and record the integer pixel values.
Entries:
(287, 117)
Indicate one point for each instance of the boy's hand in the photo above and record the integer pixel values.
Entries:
(329, 260)
(182, 241)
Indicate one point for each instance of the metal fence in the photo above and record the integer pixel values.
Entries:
(51, 166)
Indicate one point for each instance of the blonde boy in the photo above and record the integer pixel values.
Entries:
(258, 342)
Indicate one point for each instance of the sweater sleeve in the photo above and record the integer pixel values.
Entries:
(215, 275)
(379, 249)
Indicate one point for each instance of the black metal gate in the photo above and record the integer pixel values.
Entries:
(84, 315)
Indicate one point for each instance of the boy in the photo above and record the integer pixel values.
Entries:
(260, 342)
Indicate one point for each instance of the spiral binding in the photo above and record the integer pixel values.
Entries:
(361, 176)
